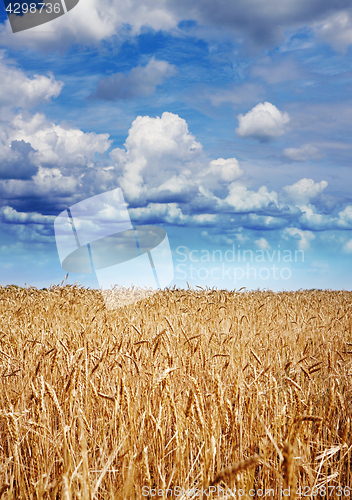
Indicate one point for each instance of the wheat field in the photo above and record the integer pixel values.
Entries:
(197, 393)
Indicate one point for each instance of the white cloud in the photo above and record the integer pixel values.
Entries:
(263, 122)
(262, 23)
(157, 150)
(48, 184)
(313, 220)
(336, 30)
(280, 72)
(301, 192)
(348, 246)
(176, 184)
(26, 226)
(262, 244)
(204, 219)
(255, 221)
(304, 153)
(29, 141)
(245, 200)
(35, 233)
(167, 134)
(345, 217)
(219, 173)
(164, 174)
(140, 81)
(303, 238)
(17, 90)
(162, 169)
(11, 216)
(92, 21)
(40, 161)
(53, 143)
(159, 212)
(225, 170)
(162, 162)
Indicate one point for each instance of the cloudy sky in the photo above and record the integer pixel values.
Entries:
(226, 123)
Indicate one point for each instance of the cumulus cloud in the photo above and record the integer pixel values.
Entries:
(17, 160)
(35, 233)
(42, 164)
(344, 217)
(218, 174)
(46, 165)
(262, 244)
(304, 153)
(263, 122)
(45, 184)
(162, 169)
(139, 82)
(55, 144)
(225, 170)
(36, 155)
(301, 192)
(165, 135)
(170, 213)
(17, 90)
(163, 172)
(245, 200)
(260, 222)
(26, 226)
(11, 216)
(163, 163)
(156, 151)
(313, 220)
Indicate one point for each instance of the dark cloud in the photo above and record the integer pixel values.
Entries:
(19, 163)
(139, 82)
(264, 22)
(168, 196)
(260, 22)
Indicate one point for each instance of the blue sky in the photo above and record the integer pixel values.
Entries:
(226, 123)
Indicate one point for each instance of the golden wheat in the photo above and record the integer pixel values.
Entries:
(182, 388)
